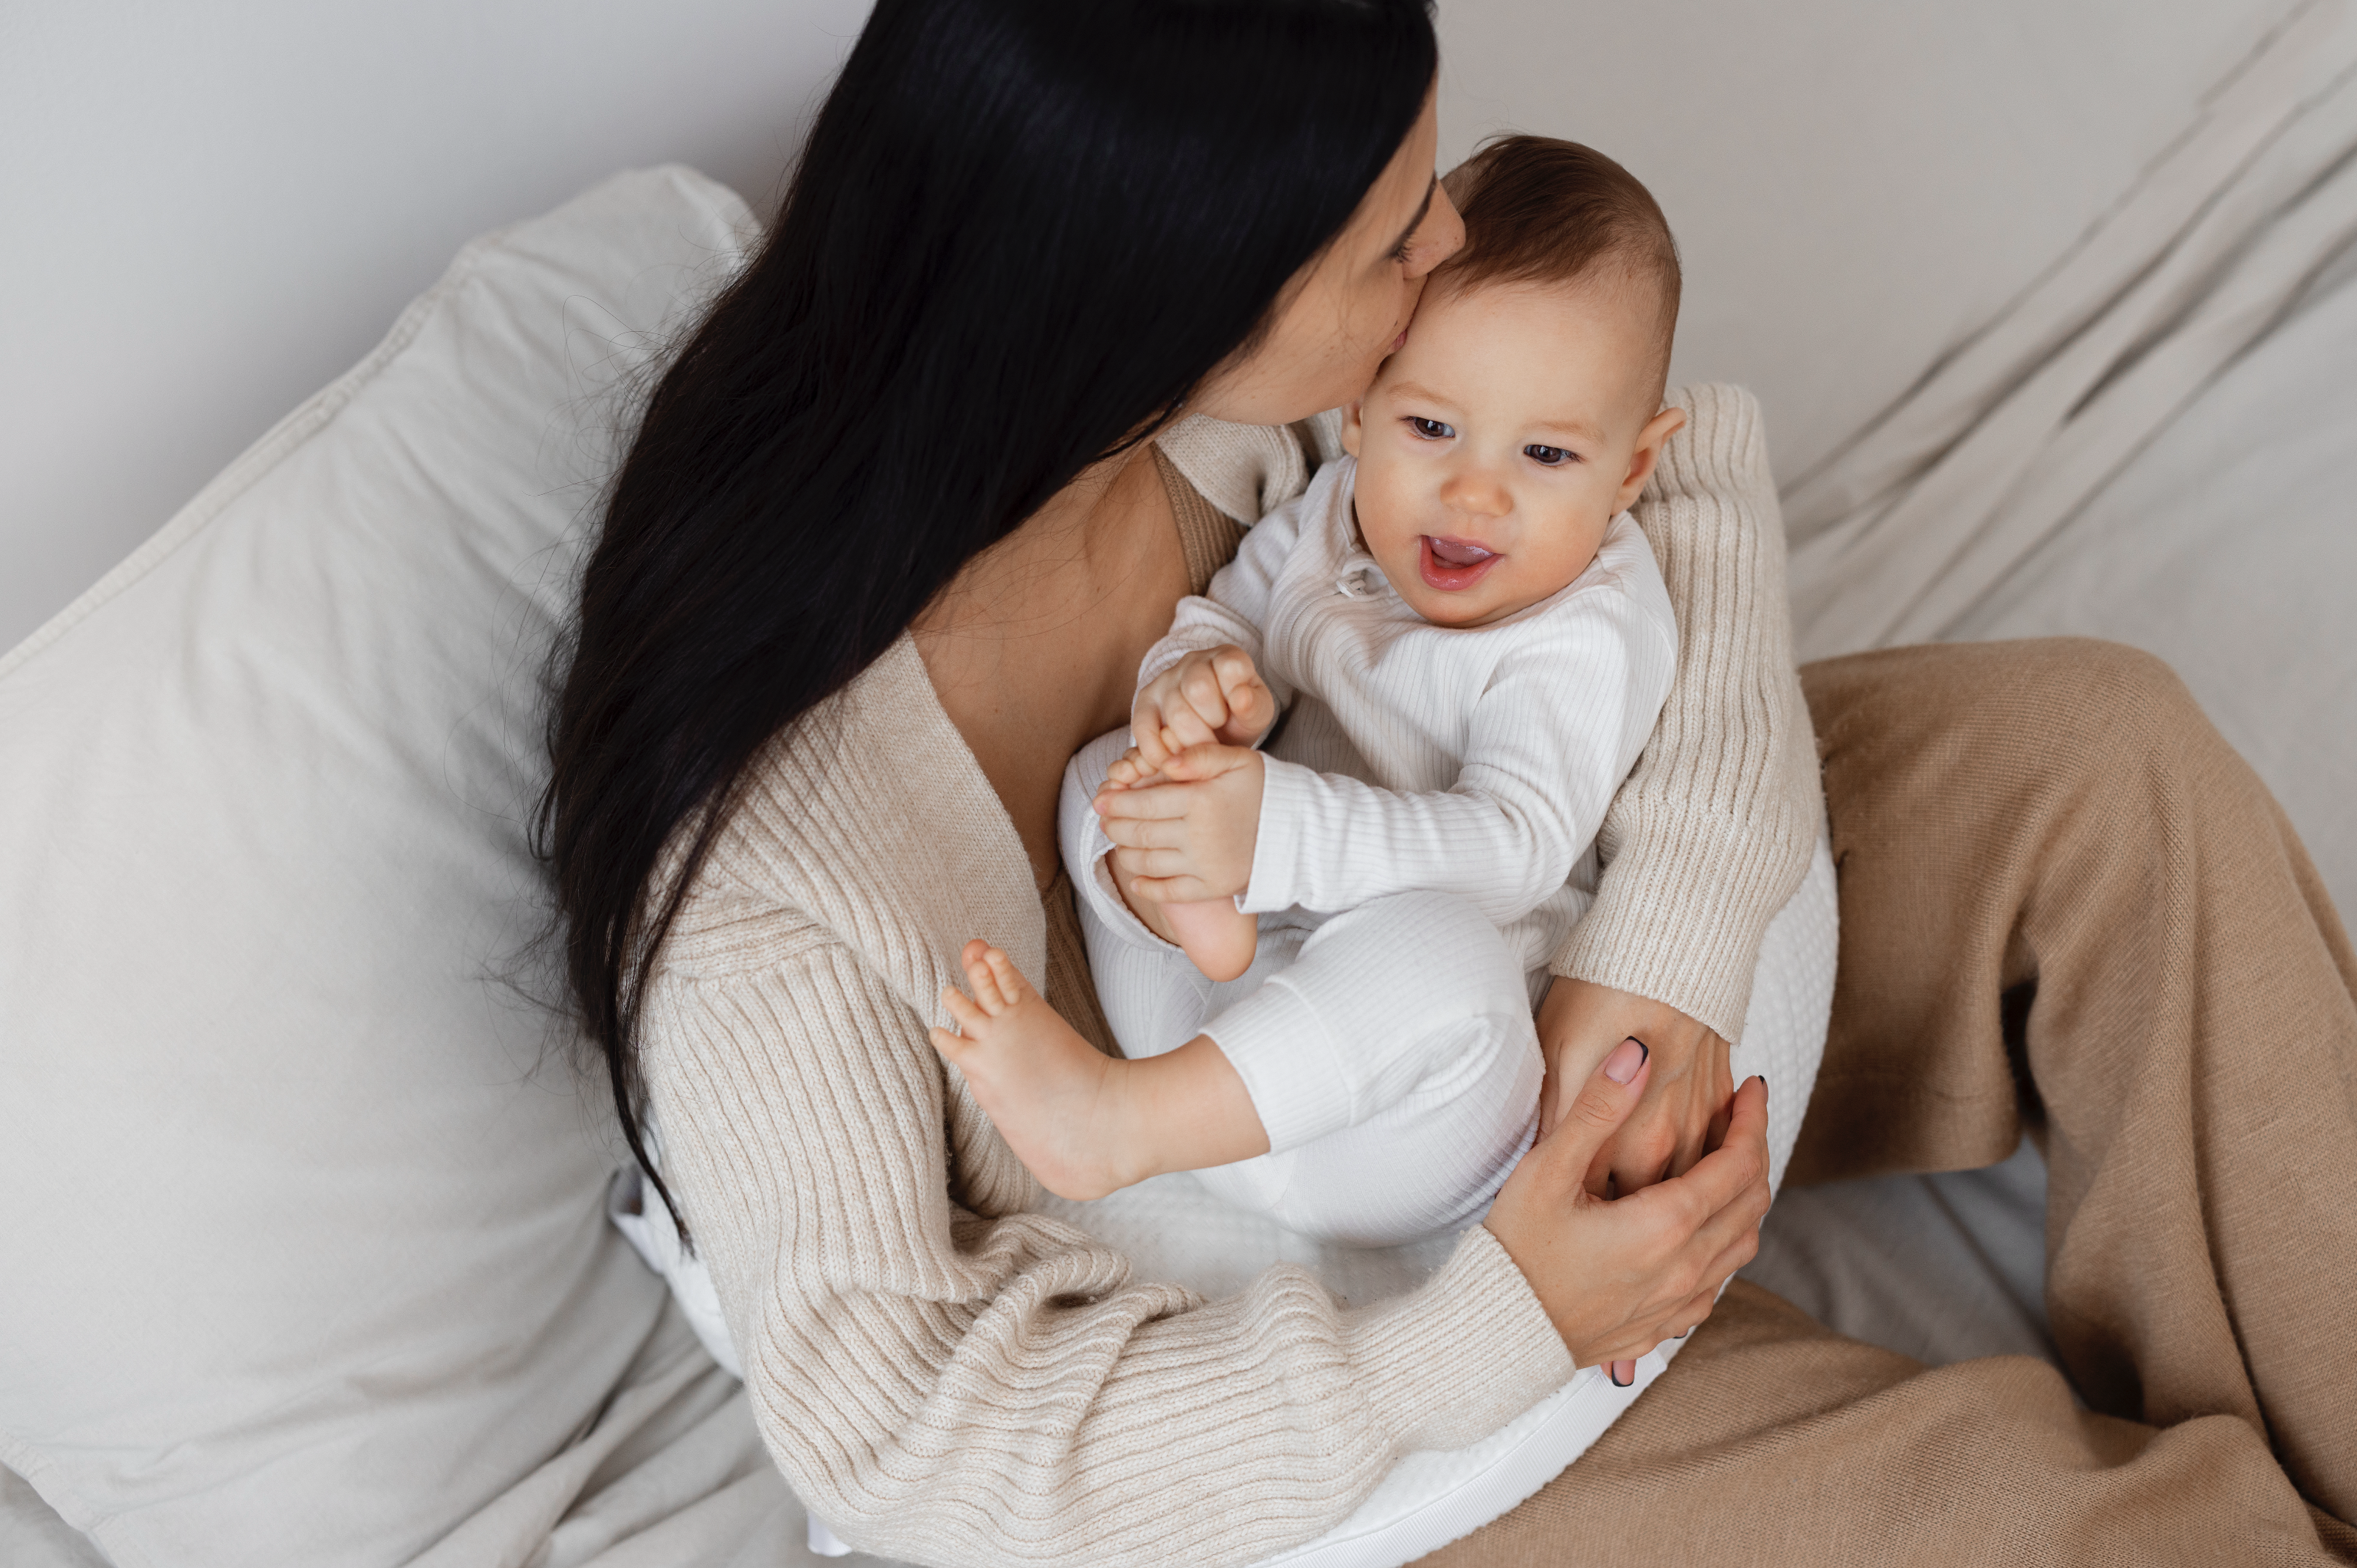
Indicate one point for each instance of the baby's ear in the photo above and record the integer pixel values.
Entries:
(1650, 442)
(1352, 424)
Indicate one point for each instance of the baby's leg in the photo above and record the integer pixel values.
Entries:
(1396, 1069)
(1216, 940)
(1432, 1163)
(1088, 1124)
(1154, 997)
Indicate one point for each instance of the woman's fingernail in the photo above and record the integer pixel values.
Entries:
(1622, 1064)
(1615, 1375)
(1681, 1335)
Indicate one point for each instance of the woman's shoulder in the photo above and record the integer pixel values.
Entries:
(1249, 470)
(1722, 451)
(775, 865)
(748, 905)
(839, 833)
(729, 924)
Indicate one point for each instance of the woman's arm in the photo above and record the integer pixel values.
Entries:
(954, 1388)
(1713, 831)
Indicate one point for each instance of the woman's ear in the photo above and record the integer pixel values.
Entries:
(1352, 425)
(1650, 442)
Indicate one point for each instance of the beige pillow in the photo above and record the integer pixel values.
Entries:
(305, 1258)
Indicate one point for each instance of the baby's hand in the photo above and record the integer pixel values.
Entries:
(1190, 836)
(1129, 771)
(1212, 696)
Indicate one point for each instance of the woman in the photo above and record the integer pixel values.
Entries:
(887, 548)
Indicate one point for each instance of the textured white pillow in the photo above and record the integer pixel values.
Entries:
(305, 1259)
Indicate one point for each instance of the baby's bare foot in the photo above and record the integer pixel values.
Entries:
(1218, 938)
(1057, 1100)
(1215, 938)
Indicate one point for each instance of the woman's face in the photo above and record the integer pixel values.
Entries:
(1350, 305)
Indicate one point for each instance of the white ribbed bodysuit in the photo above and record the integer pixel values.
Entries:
(1425, 842)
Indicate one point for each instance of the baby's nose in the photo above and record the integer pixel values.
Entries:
(1477, 490)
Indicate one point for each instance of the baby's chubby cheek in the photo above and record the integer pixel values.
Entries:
(1389, 520)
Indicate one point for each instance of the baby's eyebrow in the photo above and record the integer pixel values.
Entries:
(1419, 391)
(1567, 428)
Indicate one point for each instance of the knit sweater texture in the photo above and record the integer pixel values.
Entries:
(946, 1377)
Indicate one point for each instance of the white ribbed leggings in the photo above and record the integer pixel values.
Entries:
(1388, 1050)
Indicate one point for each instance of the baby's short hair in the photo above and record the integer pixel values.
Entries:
(1542, 210)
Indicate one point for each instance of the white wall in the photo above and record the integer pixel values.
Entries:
(214, 205)
(1855, 184)
(211, 206)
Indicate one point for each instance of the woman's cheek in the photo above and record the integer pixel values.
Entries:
(1411, 300)
(1387, 320)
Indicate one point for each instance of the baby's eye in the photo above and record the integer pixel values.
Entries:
(1430, 429)
(1549, 457)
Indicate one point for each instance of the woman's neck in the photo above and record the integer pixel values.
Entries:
(1033, 649)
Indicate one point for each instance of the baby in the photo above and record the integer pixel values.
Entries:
(1363, 776)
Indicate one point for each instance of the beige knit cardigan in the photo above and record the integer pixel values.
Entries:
(947, 1378)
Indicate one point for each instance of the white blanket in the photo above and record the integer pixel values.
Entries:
(2151, 444)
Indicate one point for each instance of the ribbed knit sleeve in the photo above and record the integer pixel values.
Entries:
(950, 1388)
(1713, 831)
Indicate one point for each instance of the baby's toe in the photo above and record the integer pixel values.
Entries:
(983, 971)
(961, 1009)
(1009, 978)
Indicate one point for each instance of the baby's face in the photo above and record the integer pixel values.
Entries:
(1496, 447)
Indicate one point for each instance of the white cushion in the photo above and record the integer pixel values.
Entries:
(306, 1258)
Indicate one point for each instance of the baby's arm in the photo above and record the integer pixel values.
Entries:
(1559, 724)
(1213, 651)
(1201, 696)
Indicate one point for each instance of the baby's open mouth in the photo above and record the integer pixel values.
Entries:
(1450, 564)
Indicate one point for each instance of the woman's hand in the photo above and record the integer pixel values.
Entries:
(1688, 1081)
(1619, 1276)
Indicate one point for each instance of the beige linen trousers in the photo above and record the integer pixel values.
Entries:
(2067, 907)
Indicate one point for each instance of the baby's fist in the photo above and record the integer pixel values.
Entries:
(1212, 696)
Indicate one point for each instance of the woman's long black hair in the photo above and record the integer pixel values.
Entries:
(1020, 233)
